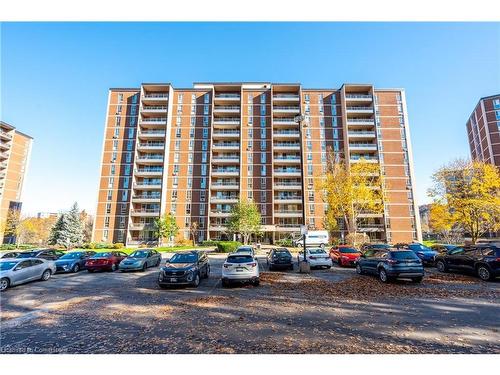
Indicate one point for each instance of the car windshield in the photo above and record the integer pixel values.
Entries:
(139, 254)
(419, 247)
(27, 255)
(243, 249)
(239, 259)
(4, 266)
(102, 255)
(348, 250)
(316, 251)
(282, 252)
(403, 255)
(71, 256)
(183, 258)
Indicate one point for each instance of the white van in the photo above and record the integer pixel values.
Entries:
(313, 238)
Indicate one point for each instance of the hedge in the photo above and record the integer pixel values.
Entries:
(227, 246)
(284, 242)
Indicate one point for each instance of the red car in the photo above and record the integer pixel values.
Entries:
(105, 261)
(344, 255)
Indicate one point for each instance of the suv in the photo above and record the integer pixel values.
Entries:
(425, 253)
(481, 259)
(390, 264)
(48, 254)
(184, 269)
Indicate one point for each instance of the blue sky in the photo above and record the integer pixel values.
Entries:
(55, 79)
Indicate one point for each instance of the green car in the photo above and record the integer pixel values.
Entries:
(140, 260)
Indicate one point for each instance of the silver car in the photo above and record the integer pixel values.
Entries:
(15, 271)
(140, 260)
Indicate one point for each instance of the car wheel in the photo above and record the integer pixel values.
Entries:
(382, 275)
(196, 280)
(359, 270)
(207, 273)
(484, 273)
(144, 267)
(46, 275)
(158, 262)
(4, 284)
(417, 279)
(75, 268)
(441, 266)
(113, 267)
(256, 282)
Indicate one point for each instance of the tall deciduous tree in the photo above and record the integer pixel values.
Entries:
(471, 193)
(442, 222)
(12, 224)
(166, 227)
(245, 219)
(350, 191)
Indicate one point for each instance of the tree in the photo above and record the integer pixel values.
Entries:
(88, 222)
(470, 192)
(350, 191)
(68, 229)
(245, 219)
(193, 229)
(12, 225)
(442, 222)
(166, 227)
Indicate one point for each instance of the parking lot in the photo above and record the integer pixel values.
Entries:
(327, 311)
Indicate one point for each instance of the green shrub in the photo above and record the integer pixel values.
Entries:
(13, 247)
(227, 246)
(118, 245)
(209, 243)
(286, 242)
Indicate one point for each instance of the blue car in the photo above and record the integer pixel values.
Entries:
(73, 261)
(426, 254)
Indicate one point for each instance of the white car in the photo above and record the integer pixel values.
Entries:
(246, 249)
(15, 271)
(240, 267)
(316, 257)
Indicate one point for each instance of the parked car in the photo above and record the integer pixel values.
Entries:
(141, 260)
(246, 249)
(240, 267)
(20, 270)
(482, 260)
(49, 254)
(425, 253)
(9, 254)
(374, 246)
(184, 269)
(391, 263)
(344, 255)
(318, 238)
(279, 258)
(73, 261)
(316, 257)
(105, 261)
(442, 248)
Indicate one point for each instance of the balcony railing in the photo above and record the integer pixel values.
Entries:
(226, 144)
(286, 108)
(285, 96)
(146, 196)
(154, 108)
(359, 108)
(358, 96)
(227, 108)
(285, 120)
(227, 96)
(286, 132)
(370, 120)
(287, 144)
(153, 120)
(287, 170)
(227, 119)
(152, 145)
(142, 170)
(155, 96)
(227, 132)
(360, 132)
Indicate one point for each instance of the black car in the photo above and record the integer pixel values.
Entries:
(279, 258)
(49, 254)
(184, 269)
(390, 264)
(482, 260)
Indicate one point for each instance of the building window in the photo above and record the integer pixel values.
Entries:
(191, 144)
(105, 235)
(188, 209)
(203, 169)
(262, 122)
(176, 157)
(263, 170)
(263, 145)
(126, 182)
(205, 132)
(310, 195)
(191, 132)
(108, 208)
(202, 208)
(262, 157)
(205, 120)
(190, 169)
(204, 156)
(130, 145)
(110, 195)
(111, 181)
(203, 196)
(206, 98)
(124, 195)
(263, 133)
(203, 183)
(178, 133)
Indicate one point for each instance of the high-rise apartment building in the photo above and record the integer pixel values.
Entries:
(194, 152)
(483, 130)
(15, 149)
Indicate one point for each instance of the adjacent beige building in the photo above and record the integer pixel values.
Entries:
(15, 149)
(194, 152)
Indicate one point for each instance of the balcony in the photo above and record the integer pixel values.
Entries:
(218, 134)
(155, 96)
(227, 97)
(367, 159)
(225, 172)
(286, 98)
(224, 199)
(286, 134)
(370, 214)
(287, 213)
(361, 134)
(4, 145)
(141, 226)
(146, 172)
(363, 146)
(371, 228)
(151, 134)
(227, 109)
(225, 185)
(358, 97)
(226, 146)
(287, 227)
(146, 198)
(294, 199)
(287, 159)
(284, 121)
(365, 110)
(220, 213)
(147, 185)
(360, 121)
(154, 108)
(218, 227)
(226, 120)
(286, 146)
(286, 109)
(153, 159)
(151, 146)
(145, 212)
(5, 136)
(4, 155)
(287, 186)
(226, 159)
(287, 172)
(154, 121)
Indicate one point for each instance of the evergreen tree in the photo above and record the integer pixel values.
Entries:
(68, 229)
